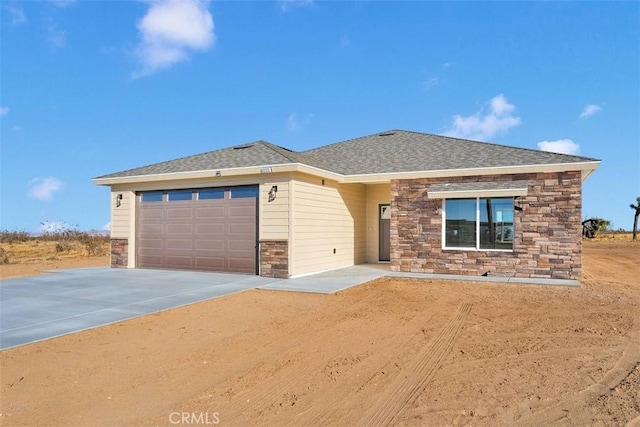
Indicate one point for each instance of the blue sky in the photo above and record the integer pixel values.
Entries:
(92, 87)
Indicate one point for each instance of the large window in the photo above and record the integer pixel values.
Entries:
(480, 223)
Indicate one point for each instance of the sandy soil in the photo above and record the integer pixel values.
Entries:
(8, 271)
(404, 352)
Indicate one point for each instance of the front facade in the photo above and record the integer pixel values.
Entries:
(422, 203)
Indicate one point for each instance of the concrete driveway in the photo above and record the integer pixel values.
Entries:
(41, 307)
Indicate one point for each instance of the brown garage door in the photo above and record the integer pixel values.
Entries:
(210, 229)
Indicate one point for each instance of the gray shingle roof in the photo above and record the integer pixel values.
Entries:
(386, 152)
(403, 151)
(258, 153)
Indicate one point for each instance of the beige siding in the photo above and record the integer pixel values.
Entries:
(376, 195)
(121, 216)
(274, 215)
(326, 217)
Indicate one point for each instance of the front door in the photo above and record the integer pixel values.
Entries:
(384, 250)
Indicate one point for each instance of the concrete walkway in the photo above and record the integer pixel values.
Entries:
(42, 307)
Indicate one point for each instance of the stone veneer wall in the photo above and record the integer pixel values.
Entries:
(119, 253)
(274, 258)
(547, 231)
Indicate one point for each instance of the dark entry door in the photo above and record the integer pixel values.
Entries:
(384, 250)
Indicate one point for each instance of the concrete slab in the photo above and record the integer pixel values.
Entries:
(328, 282)
(66, 301)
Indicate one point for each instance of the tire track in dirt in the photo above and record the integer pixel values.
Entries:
(264, 396)
(611, 379)
(369, 369)
(408, 385)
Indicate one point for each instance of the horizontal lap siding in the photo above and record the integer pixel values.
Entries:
(274, 215)
(121, 215)
(327, 217)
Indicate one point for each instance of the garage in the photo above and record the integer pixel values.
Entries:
(208, 229)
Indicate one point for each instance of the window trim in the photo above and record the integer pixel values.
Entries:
(477, 248)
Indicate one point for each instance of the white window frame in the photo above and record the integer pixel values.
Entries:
(477, 247)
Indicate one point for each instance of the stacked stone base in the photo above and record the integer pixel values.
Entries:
(119, 253)
(274, 258)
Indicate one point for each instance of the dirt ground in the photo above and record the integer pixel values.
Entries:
(402, 352)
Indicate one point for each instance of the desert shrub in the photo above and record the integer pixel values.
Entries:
(4, 259)
(94, 243)
(63, 234)
(15, 236)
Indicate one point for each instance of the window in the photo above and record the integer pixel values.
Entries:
(155, 196)
(244, 192)
(477, 224)
(211, 193)
(179, 195)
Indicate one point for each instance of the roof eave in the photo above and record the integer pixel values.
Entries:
(586, 167)
(218, 173)
(378, 178)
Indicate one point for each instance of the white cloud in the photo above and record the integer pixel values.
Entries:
(170, 30)
(562, 146)
(63, 3)
(57, 38)
(287, 5)
(44, 188)
(17, 15)
(431, 82)
(4, 111)
(107, 226)
(492, 119)
(589, 110)
(294, 122)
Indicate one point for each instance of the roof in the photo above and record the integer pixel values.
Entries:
(404, 151)
(394, 151)
(257, 153)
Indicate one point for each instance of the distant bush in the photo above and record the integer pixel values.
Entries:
(66, 238)
(16, 236)
(94, 242)
(4, 259)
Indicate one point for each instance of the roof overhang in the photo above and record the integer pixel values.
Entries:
(458, 190)
(379, 178)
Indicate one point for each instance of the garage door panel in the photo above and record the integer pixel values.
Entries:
(242, 228)
(150, 213)
(210, 245)
(211, 263)
(212, 229)
(179, 244)
(182, 213)
(150, 243)
(242, 212)
(151, 260)
(207, 234)
(241, 245)
(244, 265)
(179, 229)
(178, 262)
(210, 211)
(151, 228)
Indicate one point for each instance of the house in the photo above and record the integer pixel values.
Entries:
(422, 203)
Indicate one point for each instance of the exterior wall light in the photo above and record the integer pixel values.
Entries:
(118, 200)
(272, 193)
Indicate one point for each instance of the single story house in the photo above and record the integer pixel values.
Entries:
(420, 202)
